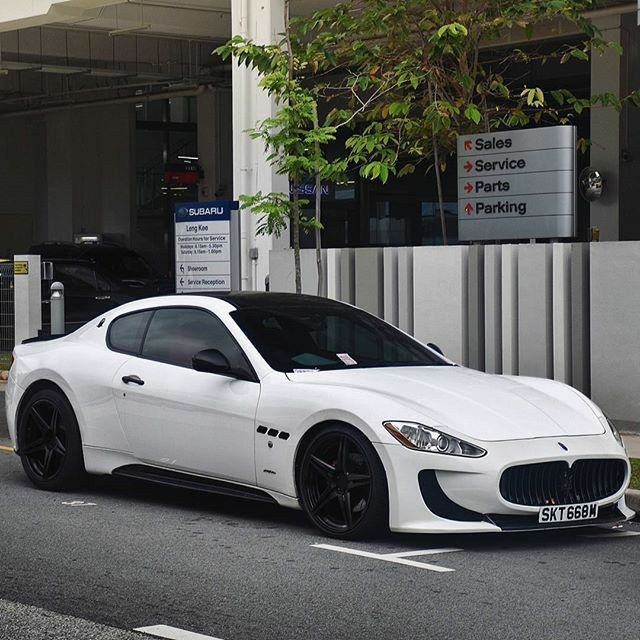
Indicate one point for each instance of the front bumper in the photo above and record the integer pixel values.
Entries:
(471, 485)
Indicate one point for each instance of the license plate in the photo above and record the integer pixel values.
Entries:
(568, 513)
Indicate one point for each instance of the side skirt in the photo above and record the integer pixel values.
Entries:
(196, 483)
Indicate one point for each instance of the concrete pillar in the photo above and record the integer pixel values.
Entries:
(509, 320)
(562, 345)
(115, 167)
(369, 289)
(27, 284)
(441, 302)
(580, 314)
(348, 276)
(615, 339)
(262, 22)
(476, 307)
(215, 148)
(281, 271)
(333, 273)
(405, 289)
(390, 269)
(493, 308)
(535, 320)
(605, 131)
(60, 166)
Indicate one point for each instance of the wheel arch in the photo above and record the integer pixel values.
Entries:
(308, 435)
(30, 391)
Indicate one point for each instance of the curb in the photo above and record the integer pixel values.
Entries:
(632, 498)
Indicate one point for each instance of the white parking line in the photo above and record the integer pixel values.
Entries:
(397, 558)
(173, 633)
(421, 552)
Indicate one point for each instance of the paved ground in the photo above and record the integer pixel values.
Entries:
(116, 557)
(128, 556)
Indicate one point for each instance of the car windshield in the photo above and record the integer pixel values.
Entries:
(328, 336)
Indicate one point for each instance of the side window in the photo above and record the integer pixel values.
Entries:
(176, 335)
(126, 333)
(78, 279)
(102, 283)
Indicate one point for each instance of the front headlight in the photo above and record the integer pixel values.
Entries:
(616, 433)
(423, 438)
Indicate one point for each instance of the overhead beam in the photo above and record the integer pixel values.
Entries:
(22, 15)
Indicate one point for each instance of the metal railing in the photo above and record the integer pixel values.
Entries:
(7, 318)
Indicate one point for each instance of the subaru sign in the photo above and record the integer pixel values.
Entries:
(203, 246)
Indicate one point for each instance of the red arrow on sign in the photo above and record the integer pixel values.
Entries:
(468, 187)
(468, 166)
(468, 208)
(467, 145)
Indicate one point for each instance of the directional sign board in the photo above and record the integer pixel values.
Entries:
(203, 246)
(517, 184)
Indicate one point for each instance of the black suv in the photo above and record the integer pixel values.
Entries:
(96, 278)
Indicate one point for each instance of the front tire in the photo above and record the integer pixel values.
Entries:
(343, 485)
(49, 442)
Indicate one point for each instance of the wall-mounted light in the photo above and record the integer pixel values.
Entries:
(591, 183)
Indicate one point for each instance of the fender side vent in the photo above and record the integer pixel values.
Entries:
(261, 429)
(283, 435)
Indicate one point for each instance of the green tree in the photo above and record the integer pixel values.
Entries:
(416, 74)
(294, 139)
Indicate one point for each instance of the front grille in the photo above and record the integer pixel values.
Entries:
(551, 483)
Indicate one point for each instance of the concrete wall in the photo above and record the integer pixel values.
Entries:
(566, 311)
(22, 182)
(615, 332)
(66, 172)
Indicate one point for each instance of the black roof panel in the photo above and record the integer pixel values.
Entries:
(262, 299)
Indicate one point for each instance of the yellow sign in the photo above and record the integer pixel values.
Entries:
(21, 268)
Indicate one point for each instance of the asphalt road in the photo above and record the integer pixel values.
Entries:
(127, 555)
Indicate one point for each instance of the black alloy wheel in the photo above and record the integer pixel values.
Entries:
(49, 442)
(342, 484)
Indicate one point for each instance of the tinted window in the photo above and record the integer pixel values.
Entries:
(126, 333)
(122, 263)
(176, 335)
(77, 278)
(329, 336)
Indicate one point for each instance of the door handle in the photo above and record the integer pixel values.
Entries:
(134, 379)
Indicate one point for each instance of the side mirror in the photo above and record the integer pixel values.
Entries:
(211, 361)
(435, 347)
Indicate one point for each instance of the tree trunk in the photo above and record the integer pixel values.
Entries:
(296, 195)
(318, 231)
(436, 162)
(296, 237)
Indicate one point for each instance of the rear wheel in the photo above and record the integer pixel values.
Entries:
(342, 484)
(49, 442)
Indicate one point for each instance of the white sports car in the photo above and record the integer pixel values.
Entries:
(311, 403)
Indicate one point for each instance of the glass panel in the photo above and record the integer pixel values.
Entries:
(77, 278)
(329, 336)
(176, 335)
(126, 333)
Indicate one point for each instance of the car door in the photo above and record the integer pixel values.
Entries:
(184, 419)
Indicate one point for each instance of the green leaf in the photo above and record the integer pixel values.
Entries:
(472, 113)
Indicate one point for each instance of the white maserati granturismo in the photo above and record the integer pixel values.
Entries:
(314, 404)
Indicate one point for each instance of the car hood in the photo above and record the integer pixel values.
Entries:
(470, 403)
